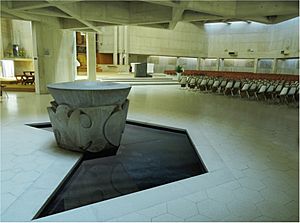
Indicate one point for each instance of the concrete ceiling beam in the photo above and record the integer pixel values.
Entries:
(177, 13)
(219, 8)
(49, 12)
(92, 14)
(266, 8)
(190, 16)
(168, 3)
(72, 10)
(27, 5)
(108, 12)
(271, 19)
(9, 16)
(159, 26)
(72, 24)
(21, 15)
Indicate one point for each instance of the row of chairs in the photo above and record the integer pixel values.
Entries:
(278, 91)
(236, 75)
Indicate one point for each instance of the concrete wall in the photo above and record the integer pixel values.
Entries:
(249, 40)
(15, 32)
(106, 40)
(54, 50)
(253, 40)
(162, 63)
(22, 35)
(185, 40)
(5, 36)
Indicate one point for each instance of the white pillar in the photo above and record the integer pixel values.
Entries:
(115, 54)
(274, 66)
(221, 64)
(121, 44)
(255, 65)
(218, 64)
(91, 56)
(39, 88)
(198, 63)
(74, 75)
(126, 45)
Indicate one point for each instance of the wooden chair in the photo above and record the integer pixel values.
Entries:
(192, 83)
(215, 86)
(202, 86)
(260, 95)
(222, 86)
(236, 88)
(19, 78)
(28, 77)
(228, 88)
(210, 84)
(2, 87)
(243, 91)
(183, 82)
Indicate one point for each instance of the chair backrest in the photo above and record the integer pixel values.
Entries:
(279, 88)
(245, 87)
(229, 84)
(189, 79)
(203, 82)
(216, 83)
(271, 88)
(199, 80)
(223, 83)
(210, 82)
(253, 86)
(292, 90)
(183, 80)
(237, 84)
(193, 81)
(262, 89)
(284, 91)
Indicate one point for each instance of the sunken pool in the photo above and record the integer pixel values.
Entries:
(148, 156)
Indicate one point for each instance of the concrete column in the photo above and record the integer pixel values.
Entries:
(37, 64)
(274, 67)
(198, 63)
(121, 44)
(91, 56)
(74, 75)
(255, 65)
(218, 64)
(1, 47)
(126, 45)
(221, 64)
(53, 55)
(115, 54)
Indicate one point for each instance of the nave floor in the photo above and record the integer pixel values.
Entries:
(251, 151)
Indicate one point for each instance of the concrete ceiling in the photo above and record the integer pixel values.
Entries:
(92, 15)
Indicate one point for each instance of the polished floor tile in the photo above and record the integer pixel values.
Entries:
(251, 150)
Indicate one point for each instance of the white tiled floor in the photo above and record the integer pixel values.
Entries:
(250, 148)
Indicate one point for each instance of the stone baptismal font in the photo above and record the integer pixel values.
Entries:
(88, 116)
